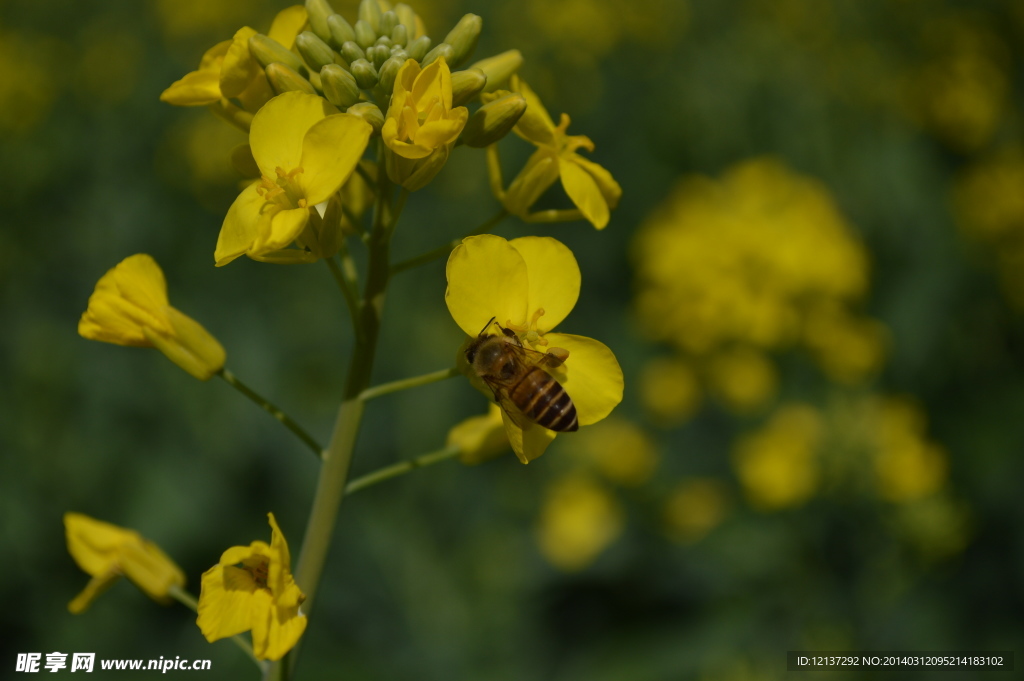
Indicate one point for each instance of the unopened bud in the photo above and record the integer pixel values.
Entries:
(369, 113)
(463, 38)
(442, 50)
(365, 35)
(341, 31)
(316, 52)
(388, 73)
(377, 55)
(494, 120)
(365, 74)
(351, 52)
(385, 41)
(499, 68)
(268, 51)
(339, 85)
(399, 53)
(466, 85)
(406, 17)
(388, 21)
(318, 11)
(400, 35)
(418, 48)
(369, 11)
(283, 78)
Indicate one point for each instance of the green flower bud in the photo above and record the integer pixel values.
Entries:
(387, 74)
(340, 87)
(283, 78)
(463, 38)
(365, 35)
(267, 51)
(385, 41)
(406, 17)
(388, 22)
(466, 85)
(442, 50)
(316, 52)
(365, 74)
(418, 48)
(499, 68)
(399, 53)
(369, 11)
(400, 35)
(351, 52)
(494, 120)
(369, 113)
(377, 55)
(318, 11)
(341, 31)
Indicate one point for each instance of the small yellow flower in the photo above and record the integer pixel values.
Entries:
(778, 465)
(305, 151)
(108, 552)
(590, 187)
(579, 520)
(228, 71)
(130, 307)
(479, 438)
(529, 285)
(421, 126)
(252, 588)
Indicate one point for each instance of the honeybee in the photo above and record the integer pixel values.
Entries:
(521, 385)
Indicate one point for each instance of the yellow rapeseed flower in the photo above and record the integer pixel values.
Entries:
(579, 520)
(421, 126)
(130, 307)
(108, 552)
(252, 588)
(529, 285)
(590, 187)
(305, 150)
(228, 71)
(778, 465)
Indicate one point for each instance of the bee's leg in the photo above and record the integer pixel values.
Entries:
(555, 357)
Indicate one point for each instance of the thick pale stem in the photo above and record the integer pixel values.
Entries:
(273, 410)
(406, 383)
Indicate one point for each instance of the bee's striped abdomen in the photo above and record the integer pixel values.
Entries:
(544, 400)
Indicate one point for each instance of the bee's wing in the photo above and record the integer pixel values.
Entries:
(507, 405)
(554, 358)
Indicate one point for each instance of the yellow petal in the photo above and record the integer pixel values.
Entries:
(96, 586)
(527, 444)
(430, 84)
(241, 225)
(285, 256)
(191, 346)
(280, 126)
(211, 58)
(281, 559)
(444, 131)
(93, 544)
(535, 125)
(239, 68)
(539, 173)
(151, 570)
(285, 226)
(479, 438)
(592, 376)
(610, 189)
(330, 151)
(197, 88)
(554, 278)
(287, 25)
(128, 298)
(275, 630)
(584, 192)
(487, 278)
(228, 602)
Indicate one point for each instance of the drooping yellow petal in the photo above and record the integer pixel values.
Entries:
(128, 298)
(93, 590)
(539, 173)
(536, 125)
(554, 279)
(610, 189)
(330, 151)
(94, 544)
(527, 444)
(239, 68)
(584, 192)
(275, 630)
(592, 376)
(487, 278)
(243, 222)
(279, 127)
(197, 88)
(287, 25)
(190, 346)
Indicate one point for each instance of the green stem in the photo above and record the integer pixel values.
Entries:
(273, 410)
(346, 290)
(190, 602)
(406, 383)
(444, 250)
(401, 468)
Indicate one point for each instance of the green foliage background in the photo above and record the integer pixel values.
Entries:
(437, 575)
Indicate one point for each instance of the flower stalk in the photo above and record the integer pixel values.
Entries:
(402, 467)
(273, 410)
(406, 383)
(443, 250)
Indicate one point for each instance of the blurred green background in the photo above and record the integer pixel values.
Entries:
(813, 284)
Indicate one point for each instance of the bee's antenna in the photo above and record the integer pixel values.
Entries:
(489, 322)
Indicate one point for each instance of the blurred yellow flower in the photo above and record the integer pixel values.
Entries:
(743, 378)
(228, 70)
(305, 150)
(130, 307)
(421, 126)
(108, 552)
(252, 588)
(578, 521)
(529, 285)
(591, 188)
(480, 438)
(778, 465)
(620, 450)
(907, 465)
(669, 390)
(695, 507)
